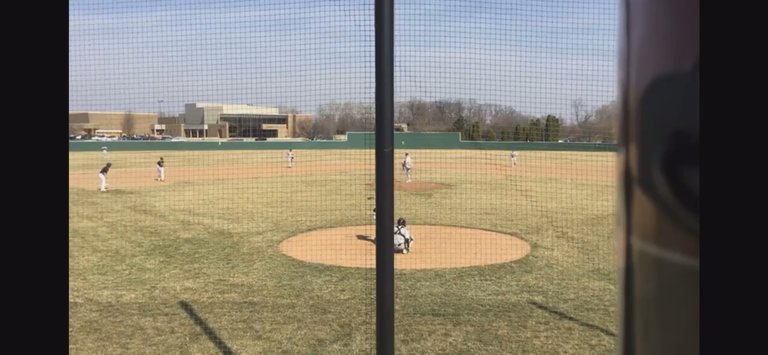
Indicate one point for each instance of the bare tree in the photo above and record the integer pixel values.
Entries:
(402, 112)
(367, 114)
(323, 127)
(305, 129)
(581, 113)
(416, 113)
(605, 127)
(503, 118)
(580, 127)
(128, 124)
(474, 111)
(593, 125)
(324, 124)
(345, 118)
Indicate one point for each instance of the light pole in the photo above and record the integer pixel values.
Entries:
(160, 107)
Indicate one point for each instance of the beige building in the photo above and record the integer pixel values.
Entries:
(245, 121)
(129, 123)
(199, 120)
(213, 130)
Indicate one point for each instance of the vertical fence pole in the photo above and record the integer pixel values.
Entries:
(385, 269)
(659, 153)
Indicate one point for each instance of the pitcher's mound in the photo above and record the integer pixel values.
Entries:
(433, 247)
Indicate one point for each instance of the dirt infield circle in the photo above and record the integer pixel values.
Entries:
(433, 247)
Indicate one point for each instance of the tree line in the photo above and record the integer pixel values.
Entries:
(475, 121)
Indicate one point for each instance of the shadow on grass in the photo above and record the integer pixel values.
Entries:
(572, 319)
(366, 238)
(115, 191)
(220, 344)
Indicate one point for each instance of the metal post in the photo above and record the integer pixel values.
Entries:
(385, 269)
(659, 157)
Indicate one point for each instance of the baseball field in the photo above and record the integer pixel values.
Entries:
(235, 252)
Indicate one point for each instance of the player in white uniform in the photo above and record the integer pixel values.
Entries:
(407, 165)
(403, 238)
(104, 154)
(103, 177)
(513, 157)
(160, 166)
(289, 157)
(373, 216)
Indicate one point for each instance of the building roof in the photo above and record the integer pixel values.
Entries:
(113, 112)
(238, 108)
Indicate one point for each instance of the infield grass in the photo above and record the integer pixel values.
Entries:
(170, 268)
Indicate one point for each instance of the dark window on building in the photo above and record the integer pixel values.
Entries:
(250, 125)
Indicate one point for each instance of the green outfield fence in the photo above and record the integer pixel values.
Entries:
(354, 140)
(266, 242)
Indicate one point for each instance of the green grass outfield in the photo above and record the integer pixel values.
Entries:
(174, 267)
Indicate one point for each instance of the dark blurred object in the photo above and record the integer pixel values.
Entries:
(659, 157)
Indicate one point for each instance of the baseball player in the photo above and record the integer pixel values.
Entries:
(373, 216)
(403, 238)
(289, 157)
(103, 177)
(513, 157)
(104, 154)
(407, 165)
(160, 166)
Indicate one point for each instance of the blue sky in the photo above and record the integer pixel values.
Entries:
(537, 56)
